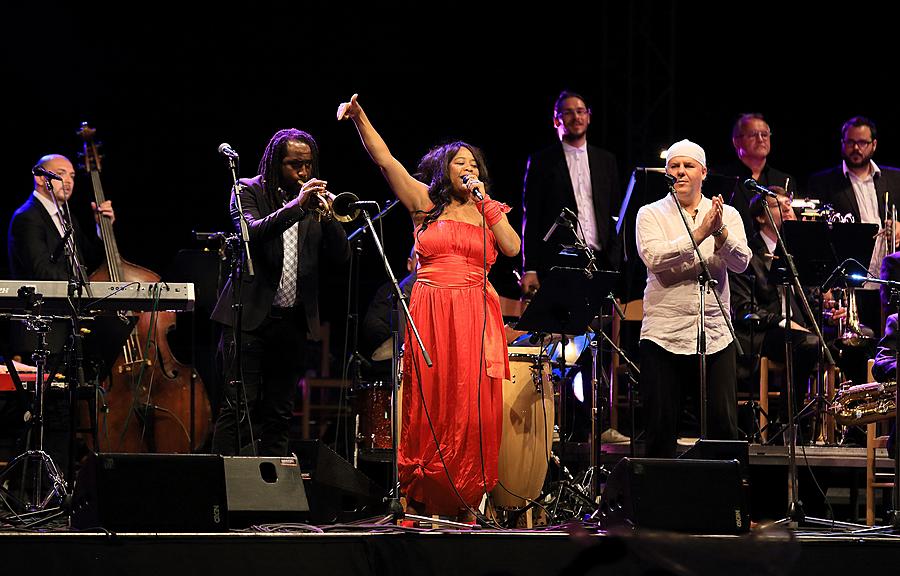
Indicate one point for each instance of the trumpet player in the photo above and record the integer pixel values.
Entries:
(292, 238)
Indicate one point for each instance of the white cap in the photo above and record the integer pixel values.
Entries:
(686, 148)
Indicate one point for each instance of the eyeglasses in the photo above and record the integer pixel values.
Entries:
(569, 113)
(764, 134)
(863, 144)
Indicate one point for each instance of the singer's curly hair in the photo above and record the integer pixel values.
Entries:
(270, 163)
(434, 170)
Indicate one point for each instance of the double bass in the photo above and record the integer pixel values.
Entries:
(144, 403)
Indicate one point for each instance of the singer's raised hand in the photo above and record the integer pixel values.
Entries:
(349, 110)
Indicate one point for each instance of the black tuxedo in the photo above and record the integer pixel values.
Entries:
(33, 238)
(833, 187)
(548, 188)
(273, 339)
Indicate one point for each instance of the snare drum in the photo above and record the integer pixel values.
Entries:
(372, 404)
(528, 419)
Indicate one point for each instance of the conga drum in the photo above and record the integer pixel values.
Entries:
(528, 419)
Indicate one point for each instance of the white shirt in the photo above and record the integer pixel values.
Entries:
(580, 174)
(866, 196)
(867, 200)
(50, 206)
(671, 299)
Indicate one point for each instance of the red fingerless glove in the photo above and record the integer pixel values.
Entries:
(493, 211)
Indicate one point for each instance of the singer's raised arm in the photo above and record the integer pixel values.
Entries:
(412, 193)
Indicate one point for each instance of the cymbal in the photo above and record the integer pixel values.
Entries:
(385, 351)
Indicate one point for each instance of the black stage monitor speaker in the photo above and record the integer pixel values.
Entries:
(721, 450)
(151, 493)
(336, 490)
(264, 490)
(186, 492)
(695, 496)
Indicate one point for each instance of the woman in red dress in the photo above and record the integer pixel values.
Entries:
(452, 412)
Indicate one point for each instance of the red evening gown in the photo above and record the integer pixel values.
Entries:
(448, 305)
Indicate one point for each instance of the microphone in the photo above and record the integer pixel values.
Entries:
(616, 306)
(670, 180)
(41, 171)
(561, 220)
(754, 185)
(226, 150)
(475, 191)
(346, 202)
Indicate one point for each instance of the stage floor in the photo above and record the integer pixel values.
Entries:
(829, 478)
(389, 550)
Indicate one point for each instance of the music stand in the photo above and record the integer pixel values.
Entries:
(569, 298)
(815, 259)
(821, 252)
(791, 284)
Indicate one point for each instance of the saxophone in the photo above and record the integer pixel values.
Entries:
(865, 403)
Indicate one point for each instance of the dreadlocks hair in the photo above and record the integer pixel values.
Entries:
(434, 170)
(270, 163)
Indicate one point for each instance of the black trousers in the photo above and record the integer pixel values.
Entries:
(665, 377)
(272, 358)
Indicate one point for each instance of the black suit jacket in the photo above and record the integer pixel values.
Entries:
(33, 238)
(548, 188)
(740, 195)
(266, 225)
(755, 291)
(833, 187)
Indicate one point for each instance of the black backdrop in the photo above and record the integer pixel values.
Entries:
(165, 83)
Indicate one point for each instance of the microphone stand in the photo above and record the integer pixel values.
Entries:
(395, 509)
(362, 229)
(894, 518)
(74, 351)
(795, 514)
(705, 282)
(237, 271)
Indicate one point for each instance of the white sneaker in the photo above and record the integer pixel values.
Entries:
(613, 436)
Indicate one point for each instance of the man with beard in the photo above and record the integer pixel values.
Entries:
(569, 174)
(583, 179)
(861, 188)
(858, 186)
(280, 302)
(752, 140)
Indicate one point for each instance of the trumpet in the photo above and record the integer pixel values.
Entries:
(324, 212)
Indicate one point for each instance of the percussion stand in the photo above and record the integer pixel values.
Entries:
(36, 464)
(357, 360)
